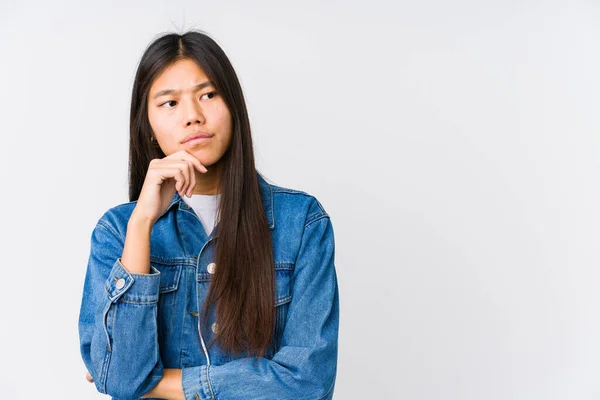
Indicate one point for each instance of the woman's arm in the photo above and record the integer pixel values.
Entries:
(117, 320)
(136, 253)
(305, 365)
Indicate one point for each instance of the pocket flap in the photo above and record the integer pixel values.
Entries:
(170, 273)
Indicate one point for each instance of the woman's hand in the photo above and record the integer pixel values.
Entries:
(164, 176)
(89, 377)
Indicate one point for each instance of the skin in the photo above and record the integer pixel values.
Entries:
(187, 168)
(173, 117)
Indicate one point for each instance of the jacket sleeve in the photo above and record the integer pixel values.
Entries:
(304, 367)
(117, 320)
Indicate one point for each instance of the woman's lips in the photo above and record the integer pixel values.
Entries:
(198, 140)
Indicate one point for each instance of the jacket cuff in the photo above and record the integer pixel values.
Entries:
(195, 382)
(133, 287)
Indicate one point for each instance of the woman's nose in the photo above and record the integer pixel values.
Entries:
(193, 113)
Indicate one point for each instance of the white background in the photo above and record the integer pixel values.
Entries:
(455, 145)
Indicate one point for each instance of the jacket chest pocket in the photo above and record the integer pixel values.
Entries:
(170, 274)
(284, 273)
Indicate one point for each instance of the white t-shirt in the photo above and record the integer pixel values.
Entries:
(205, 206)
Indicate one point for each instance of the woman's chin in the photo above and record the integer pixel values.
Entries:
(205, 160)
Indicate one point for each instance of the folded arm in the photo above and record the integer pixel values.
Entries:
(117, 320)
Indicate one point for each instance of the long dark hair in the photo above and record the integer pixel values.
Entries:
(243, 286)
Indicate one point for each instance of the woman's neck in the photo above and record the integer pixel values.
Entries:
(207, 182)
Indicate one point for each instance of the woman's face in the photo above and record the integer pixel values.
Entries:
(182, 102)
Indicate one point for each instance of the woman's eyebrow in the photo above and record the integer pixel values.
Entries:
(173, 91)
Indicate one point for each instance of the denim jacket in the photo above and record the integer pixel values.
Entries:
(133, 325)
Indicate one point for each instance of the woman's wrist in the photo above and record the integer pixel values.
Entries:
(138, 221)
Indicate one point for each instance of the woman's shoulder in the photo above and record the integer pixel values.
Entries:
(116, 218)
(294, 201)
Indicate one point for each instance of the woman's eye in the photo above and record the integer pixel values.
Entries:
(213, 93)
(170, 101)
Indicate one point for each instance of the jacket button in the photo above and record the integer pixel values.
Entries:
(211, 268)
(215, 327)
(120, 283)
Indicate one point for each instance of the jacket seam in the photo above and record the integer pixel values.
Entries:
(279, 189)
(210, 388)
(185, 299)
(272, 225)
(316, 219)
(104, 377)
(139, 303)
(316, 215)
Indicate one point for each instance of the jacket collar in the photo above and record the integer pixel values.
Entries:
(266, 194)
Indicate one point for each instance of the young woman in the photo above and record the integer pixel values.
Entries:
(210, 283)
